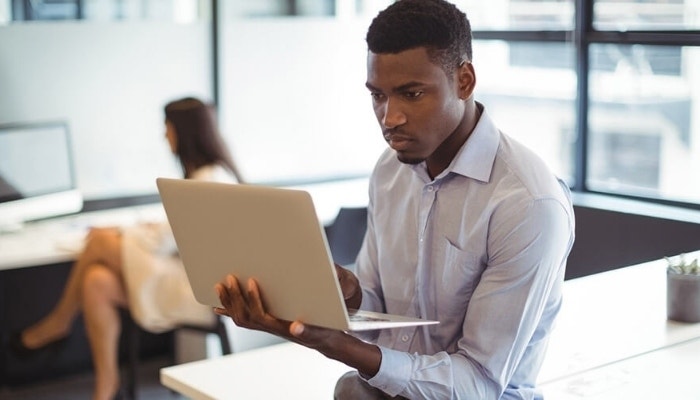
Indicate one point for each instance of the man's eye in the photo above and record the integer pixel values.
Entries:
(376, 96)
(414, 94)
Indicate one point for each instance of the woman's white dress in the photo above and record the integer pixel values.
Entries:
(159, 294)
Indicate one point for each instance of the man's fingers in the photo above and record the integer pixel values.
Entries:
(233, 301)
(245, 307)
(348, 282)
(222, 293)
(260, 315)
(254, 299)
(221, 311)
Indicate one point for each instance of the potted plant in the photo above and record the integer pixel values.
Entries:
(683, 289)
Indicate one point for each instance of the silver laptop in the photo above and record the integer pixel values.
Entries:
(270, 234)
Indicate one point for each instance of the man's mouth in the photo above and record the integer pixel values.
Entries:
(397, 142)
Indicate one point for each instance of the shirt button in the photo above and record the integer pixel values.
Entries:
(404, 338)
(430, 188)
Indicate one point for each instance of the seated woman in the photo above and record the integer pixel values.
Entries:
(136, 267)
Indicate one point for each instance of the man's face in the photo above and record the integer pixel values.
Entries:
(417, 106)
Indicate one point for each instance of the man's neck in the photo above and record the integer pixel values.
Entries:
(472, 114)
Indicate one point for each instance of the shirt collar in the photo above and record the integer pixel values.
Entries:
(476, 157)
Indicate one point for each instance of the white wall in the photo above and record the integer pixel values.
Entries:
(110, 82)
(293, 104)
(293, 97)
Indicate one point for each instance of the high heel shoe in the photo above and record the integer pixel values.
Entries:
(21, 351)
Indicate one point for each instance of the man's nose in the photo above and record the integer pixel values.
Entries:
(393, 115)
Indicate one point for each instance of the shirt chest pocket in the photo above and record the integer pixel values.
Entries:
(460, 272)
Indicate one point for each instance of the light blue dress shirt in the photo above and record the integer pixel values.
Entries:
(482, 248)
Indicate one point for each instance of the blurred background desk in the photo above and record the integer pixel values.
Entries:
(35, 262)
(34, 265)
(57, 240)
(611, 323)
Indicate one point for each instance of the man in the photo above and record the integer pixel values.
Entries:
(465, 226)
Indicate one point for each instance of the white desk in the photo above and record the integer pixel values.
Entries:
(612, 316)
(606, 319)
(281, 371)
(34, 264)
(668, 373)
(53, 243)
(57, 240)
(54, 240)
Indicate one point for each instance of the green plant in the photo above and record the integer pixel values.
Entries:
(681, 266)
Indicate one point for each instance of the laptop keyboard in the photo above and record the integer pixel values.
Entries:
(358, 318)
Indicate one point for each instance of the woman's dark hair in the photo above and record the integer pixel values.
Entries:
(199, 142)
(437, 25)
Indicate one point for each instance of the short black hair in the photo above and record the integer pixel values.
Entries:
(437, 25)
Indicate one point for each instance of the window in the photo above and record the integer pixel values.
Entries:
(643, 92)
(604, 90)
(511, 80)
(623, 15)
(514, 15)
(180, 11)
(644, 132)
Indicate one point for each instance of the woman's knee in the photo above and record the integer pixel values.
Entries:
(104, 246)
(99, 282)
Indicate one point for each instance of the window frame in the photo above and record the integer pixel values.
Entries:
(582, 37)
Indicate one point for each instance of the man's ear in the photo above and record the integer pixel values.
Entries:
(466, 78)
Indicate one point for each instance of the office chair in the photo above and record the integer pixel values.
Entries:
(132, 343)
(346, 233)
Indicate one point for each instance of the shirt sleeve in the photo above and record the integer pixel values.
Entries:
(512, 309)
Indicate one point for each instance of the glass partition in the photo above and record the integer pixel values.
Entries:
(624, 15)
(644, 130)
(529, 88)
(519, 14)
(179, 11)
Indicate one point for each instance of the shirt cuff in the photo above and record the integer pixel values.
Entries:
(394, 372)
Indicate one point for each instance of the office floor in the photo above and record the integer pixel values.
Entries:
(79, 387)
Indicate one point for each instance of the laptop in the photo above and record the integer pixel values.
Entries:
(268, 233)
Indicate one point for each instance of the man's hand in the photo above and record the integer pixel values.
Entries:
(247, 310)
(350, 286)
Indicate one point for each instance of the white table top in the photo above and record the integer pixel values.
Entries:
(281, 371)
(668, 373)
(606, 318)
(611, 316)
(59, 239)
